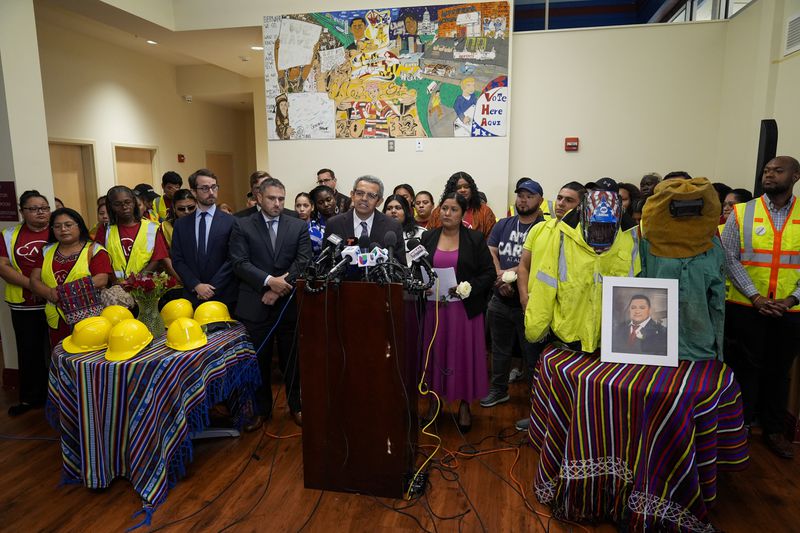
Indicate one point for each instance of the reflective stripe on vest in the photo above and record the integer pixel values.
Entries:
(79, 270)
(160, 208)
(770, 257)
(13, 292)
(141, 251)
(562, 261)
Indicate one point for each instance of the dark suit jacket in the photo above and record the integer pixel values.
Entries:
(474, 265)
(254, 209)
(253, 258)
(653, 341)
(216, 269)
(342, 225)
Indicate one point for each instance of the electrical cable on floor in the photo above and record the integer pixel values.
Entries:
(313, 511)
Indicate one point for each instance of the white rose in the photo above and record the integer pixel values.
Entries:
(509, 276)
(463, 290)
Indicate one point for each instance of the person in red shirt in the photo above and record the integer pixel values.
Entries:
(21, 252)
(73, 253)
(125, 218)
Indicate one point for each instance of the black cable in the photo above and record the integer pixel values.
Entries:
(313, 511)
(401, 510)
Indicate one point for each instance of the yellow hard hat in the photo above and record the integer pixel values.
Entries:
(127, 338)
(116, 314)
(185, 334)
(89, 334)
(210, 312)
(176, 309)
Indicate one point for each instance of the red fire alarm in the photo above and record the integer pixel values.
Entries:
(571, 144)
(181, 158)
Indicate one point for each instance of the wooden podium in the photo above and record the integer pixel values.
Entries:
(359, 353)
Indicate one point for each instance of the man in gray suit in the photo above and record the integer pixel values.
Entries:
(269, 250)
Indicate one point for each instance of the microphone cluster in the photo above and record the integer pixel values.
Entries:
(378, 263)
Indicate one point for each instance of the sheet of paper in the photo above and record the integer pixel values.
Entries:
(297, 40)
(447, 279)
(330, 59)
(312, 116)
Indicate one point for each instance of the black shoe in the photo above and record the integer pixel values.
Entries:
(19, 409)
(464, 428)
(255, 423)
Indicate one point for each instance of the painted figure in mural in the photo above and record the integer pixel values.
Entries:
(282, 127)
(464, 107)
(358, 27)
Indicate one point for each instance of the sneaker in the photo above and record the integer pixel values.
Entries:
(494, 398)
(523, 424)
(515, 375)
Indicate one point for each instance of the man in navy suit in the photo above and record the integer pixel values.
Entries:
(200, 246)
(640, 334)
(363, 218)
(269, 250)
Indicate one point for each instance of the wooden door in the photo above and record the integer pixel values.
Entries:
(70, 179)
(221, 164)
(134, 165)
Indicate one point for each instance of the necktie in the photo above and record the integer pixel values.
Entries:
(201, 236)
(632, 336)
(272, 235)
(364, 230)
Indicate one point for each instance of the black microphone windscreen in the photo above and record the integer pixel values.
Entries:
(390, 239)
(413, 243)
(363, 241)
(374, 245)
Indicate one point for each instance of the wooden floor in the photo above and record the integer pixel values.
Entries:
(255, 483)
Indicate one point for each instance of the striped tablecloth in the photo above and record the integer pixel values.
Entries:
(635, 444)
(133, 418)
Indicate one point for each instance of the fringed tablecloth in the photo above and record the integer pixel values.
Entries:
(635, 444)
(133, 418)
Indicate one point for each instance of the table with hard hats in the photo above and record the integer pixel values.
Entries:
(127, 403)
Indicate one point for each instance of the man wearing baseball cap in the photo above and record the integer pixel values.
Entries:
(505, 313)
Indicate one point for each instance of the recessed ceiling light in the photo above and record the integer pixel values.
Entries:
(150, 41)
(257, 48)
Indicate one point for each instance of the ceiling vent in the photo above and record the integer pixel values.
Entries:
(792, 35)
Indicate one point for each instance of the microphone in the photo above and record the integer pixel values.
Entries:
(390, 240)
(363, 243)
(418, 252)
(349, 256)
(333, 241)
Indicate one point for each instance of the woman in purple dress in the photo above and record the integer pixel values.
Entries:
(457, 366)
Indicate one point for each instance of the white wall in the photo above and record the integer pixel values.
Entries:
(110, 95)
(640, 98)
(786, 106)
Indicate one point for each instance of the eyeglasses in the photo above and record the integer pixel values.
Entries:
(65, 226)
(186, 209)
(40, 209)
(207, 188)
(361, 194)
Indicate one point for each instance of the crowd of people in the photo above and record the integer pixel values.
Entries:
(523, 295)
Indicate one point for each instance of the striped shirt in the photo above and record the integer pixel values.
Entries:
(732, 244)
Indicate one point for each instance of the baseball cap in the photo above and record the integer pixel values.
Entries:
(529, 186)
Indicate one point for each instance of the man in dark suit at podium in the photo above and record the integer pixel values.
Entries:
(269, 250)
(363, 218)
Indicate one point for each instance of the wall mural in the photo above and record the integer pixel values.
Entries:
(436, 71)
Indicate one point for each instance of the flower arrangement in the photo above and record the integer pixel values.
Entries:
(147, 288)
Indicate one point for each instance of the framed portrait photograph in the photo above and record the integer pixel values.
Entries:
(640, 321)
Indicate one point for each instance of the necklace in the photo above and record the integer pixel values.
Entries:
(68, 258)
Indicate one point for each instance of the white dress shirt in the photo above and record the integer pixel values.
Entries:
(357, 224)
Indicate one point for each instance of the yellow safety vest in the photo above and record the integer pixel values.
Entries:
(79, 270)
(13, 292)
(547, 207)
(567, 295)
(141, 252)
(160, 207)
(770, 257)
(167, 227)
(728, 283)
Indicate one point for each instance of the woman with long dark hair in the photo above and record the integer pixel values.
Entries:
(457, 366)
(478, 215)
(396, 206)
(69, 256)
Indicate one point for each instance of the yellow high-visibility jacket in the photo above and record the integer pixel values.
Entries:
(567, 293)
